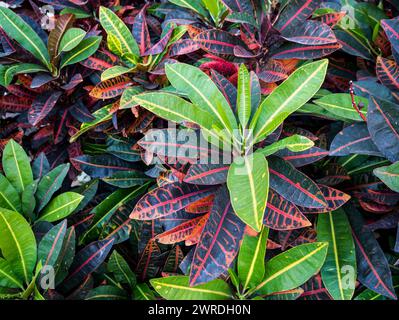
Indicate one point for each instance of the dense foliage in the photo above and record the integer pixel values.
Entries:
(202, 149)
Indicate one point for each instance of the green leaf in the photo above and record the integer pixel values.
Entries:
(243, 96)
(101, 115)
(9, 197)
(194, 5)
(288, 97)
(127, 179)
(29, 201)
(49, 184)
(16, 166)
(112, 24)
(251, 259)
(17, 244)
(340, 104)
(334, 228)
(202, 92)
(71, 39)
(61, 206)
(292, 268)
(17, 29)
(248, 183)
(104, 210)
(389, 175)
(82, 51)
(143, 292)
(51, 244)
(121, 270)
(113, 72)
(106, 292)
(12, 70)
(8, 278)
(178, 288)
(173, 108)
(295, 143)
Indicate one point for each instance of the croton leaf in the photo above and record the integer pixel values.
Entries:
(292, 268)
(294, 185)
(372, 265)
(339, 270)
(168, 199)
(42, 106)
(207, 174)
(389, 175)
(281, 214)
(383, 127)
(388, 73)
(178, 288)
(219, 242)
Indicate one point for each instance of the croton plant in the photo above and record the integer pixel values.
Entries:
(202, 149)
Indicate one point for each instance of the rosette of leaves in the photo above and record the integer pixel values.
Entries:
(239, 191)
(271, 37)
(43, 79)
(140, 53)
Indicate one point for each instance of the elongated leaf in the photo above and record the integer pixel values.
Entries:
(168, 199)
(65, 257)
(17, 244)
(174, 108)
(111, 88)
(71, 39)
(16, 166)
(354, 139)
(86, 261)
(61, 206)
(281, 214)
(288, 97)
(294, 185)
(391, 28)
(202, 92)
(312, 33)
(292, 268)
(389, 175)
(248, 183)
(296, 13)
(251, 259)
(340, 104)
(219, 242)
(334, 198)
(19, 30)
(62, 24)
(183, 46)
(339, 270)
(207, 174)
(107, 292)
(114, 72)
(102, 166)
(81, 52)
(9, 197)
(51, 244)
(372, 265)
(178, 288)
(127, 179)
(304, 52)
(243, 96)
(42, 106)
(8, 278)
(101, 115)
(106, 208)
(295, 143)
(383, 127)
(49, 184)
(121, 270)
(112, 24)
(179, 233)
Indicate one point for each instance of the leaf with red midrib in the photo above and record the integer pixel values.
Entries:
(388, 73)
(335, 199)
(219, 242)
(207, 174)
(281, 214)
(372, 265)
(86, 261)
(293, 185)
(168, 199)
